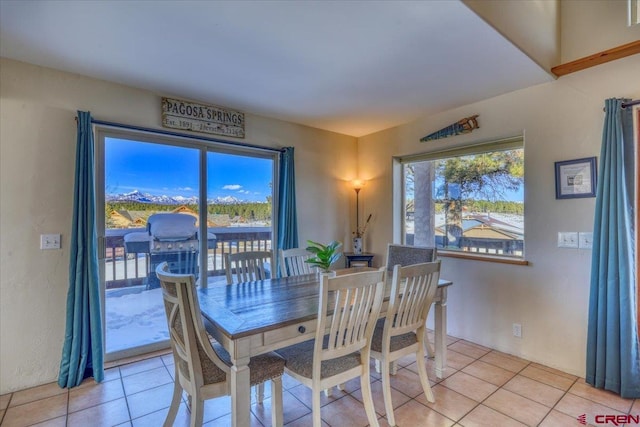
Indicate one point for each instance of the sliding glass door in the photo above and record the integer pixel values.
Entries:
(239, 207)
(155, 192)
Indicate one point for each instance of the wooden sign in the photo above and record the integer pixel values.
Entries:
(466, 125)
(186, 115)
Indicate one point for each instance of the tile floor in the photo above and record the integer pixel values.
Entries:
(482, 387)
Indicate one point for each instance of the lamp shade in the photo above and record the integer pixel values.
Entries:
(357, 184)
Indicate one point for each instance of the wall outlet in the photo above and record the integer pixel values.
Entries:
(50, 241)
(568, 239)
(585, 240)
(517, 330)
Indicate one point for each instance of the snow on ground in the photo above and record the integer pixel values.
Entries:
(135, 316)
(135, 319)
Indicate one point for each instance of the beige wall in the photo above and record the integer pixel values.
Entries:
(554, 32)
(561, 120)
(533, 26)
(593, 26)
(37, 154)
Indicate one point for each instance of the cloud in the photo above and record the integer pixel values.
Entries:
(232, 187)
(185, 189)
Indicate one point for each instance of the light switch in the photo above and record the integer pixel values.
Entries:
(585, 240)
(50, 241)
(568, 239)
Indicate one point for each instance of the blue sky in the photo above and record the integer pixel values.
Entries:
(173, 171)
(509, 195)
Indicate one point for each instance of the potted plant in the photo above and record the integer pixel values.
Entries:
(323, 255)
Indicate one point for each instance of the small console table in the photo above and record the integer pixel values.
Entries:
(358, 260)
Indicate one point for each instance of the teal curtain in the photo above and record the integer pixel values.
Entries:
(82, 351)
(613, 361)
(287, 216)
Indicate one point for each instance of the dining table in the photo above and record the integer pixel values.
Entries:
(253, 318)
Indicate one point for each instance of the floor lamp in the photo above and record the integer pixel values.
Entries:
(357, 240)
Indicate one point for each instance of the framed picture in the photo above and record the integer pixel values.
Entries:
(576, 178)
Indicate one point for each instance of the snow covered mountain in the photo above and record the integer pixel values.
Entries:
(138, 196)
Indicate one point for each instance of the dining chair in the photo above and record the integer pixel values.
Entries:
(348, 308)
(292, 262)
(243, 267)
(402, 331)
(247, 266)
(407, 255)
(202, 368)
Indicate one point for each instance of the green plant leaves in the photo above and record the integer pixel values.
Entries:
(325, 255)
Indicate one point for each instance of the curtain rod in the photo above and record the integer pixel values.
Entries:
(182, 135)
(630, 103)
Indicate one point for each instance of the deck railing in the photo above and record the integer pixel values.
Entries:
(508, 247)
(124, 269)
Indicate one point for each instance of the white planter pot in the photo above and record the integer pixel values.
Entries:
(357, 245)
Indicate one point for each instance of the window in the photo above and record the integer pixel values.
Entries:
(158, 196)
(634, 12)
(464, 201)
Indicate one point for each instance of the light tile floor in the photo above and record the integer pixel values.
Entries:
(482, 387)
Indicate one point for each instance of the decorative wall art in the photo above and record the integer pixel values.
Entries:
(576, 178)
(466, 125)
(178, 114)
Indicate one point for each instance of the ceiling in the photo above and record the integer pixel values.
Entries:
(352, 67)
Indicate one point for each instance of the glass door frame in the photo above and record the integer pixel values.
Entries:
(101, 133)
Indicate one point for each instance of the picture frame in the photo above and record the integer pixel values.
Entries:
(576, 178)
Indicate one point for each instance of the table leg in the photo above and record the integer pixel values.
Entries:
(441, 333)
(240, 393)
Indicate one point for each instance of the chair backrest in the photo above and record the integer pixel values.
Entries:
(292, 262)
(408, 255)
(248, 266)
(354, 301)
(412, 291)
(194, 356)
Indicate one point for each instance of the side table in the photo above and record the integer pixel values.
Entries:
(358, 260)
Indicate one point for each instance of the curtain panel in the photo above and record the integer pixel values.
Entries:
(287, 215)
(613, 359)
(82, 353)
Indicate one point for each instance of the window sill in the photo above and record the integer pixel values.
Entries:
(483, 257)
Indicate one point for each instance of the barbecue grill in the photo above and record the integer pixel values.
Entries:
(170, 237)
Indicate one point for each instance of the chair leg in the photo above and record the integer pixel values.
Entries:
(276, 402)
(394, 367)
(328, 392)
(317, 416)
(386, 393)
(259, 393)
(430, 353)
(197, 412)
(175, 404)
(424, 378)
(367, 397)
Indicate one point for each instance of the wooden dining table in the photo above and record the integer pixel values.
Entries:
(253, 318)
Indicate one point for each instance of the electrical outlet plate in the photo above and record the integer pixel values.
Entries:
(567, 239)
(585, 240)
(50, 241)
(517, 330)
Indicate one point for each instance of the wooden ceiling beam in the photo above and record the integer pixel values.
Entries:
(597, 59)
